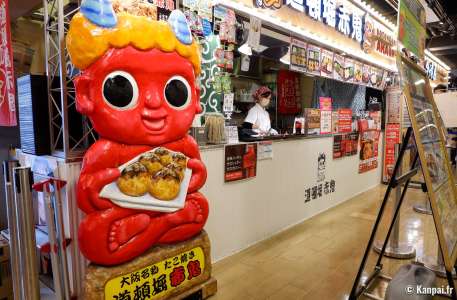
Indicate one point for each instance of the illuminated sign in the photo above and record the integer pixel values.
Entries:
(326, 11)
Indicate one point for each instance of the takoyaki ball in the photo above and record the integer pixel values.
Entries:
(178, 169)
(134, 180)
(180, 159)
(152, 162)
(165, 185)
(164, 155)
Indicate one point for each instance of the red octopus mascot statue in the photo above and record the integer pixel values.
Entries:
(138, 88)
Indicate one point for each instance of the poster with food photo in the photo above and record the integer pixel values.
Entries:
(369, 141)
(297, 55)
(366, 75)
(240, 162)
(338, 67)
(358, 72)
(326, 63)
(314, 60)
(373, 76)
(348, 70)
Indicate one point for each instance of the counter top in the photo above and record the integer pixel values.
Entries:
(274, 139)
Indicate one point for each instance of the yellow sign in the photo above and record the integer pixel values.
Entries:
(159, 279)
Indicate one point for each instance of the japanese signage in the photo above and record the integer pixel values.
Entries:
(345, 144)
(265, 150)
(240, 162)
(430, 69)
(411, 26)
(157, 280)
(298, 55)
(394, 103)
(333, 14)
(338, 67)
(373, 99)
(326, 114)
(255, 24)
(344, 120)
(376, 39)
(7, 88)
(392, 138)
(320, 190)
(369, 141)
(326, 63)
(288, 92)
(313, 121)
(164, 8)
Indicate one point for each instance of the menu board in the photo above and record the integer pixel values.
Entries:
(357, 72)
(433, 157)
(348, 70)
(314, 60)
(392, 138)
(313, 120)
(366, 74)
(369, 141)
(298, 55)
(288, 92)
(326, 63)
(338, 67)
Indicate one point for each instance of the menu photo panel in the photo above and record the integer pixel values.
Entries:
(433, 157)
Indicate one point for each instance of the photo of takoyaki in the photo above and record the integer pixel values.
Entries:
(135, 180)
(366, 150)
(164, 155)
(178, 169)
(165, 185)
(152, 162)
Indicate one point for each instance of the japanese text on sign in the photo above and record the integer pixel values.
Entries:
(319, 190)
(159, 279)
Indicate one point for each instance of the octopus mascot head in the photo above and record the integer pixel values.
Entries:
(137, 84)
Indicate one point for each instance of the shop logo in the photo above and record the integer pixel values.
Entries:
(376, 39)
(326, 11)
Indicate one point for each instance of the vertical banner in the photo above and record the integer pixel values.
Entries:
(298, 55)
(7, 88)
(240, 162)
(288, 92)
(314, 60)
(392, 138)
(325, 104)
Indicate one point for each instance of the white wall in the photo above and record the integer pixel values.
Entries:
(447, 105)
(245, 212)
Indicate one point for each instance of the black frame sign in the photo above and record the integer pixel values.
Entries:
(430, 142)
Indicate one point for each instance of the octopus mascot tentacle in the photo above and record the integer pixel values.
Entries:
(138, 88)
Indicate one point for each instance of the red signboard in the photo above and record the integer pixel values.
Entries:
(392, 138)
(344, 120)
(7, 89)
(288, 92)
(240, 162)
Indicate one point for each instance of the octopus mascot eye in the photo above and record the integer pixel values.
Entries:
(138, 88)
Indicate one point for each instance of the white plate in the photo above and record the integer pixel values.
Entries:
(146, 202)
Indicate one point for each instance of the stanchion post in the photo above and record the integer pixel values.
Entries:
(11, 211)
(23, 196)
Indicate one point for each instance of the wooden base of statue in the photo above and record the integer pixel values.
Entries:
(164, 272)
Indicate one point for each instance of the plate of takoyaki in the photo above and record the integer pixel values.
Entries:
(154, 180)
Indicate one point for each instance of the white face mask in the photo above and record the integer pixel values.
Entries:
(264, 102)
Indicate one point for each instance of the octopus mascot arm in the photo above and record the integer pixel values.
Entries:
(138, 88)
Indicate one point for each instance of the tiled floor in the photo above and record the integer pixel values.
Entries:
(319, 258)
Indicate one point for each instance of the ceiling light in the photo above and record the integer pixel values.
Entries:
(245, 49)
(286, 58)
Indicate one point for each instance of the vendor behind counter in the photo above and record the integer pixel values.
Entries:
(257, 121)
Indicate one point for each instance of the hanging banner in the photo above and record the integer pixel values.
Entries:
(338, 67)
(7, 88)
(288, 92)
(325, 104)
(240, 162)
(327, 63)
(411, 27)
(298, 55)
